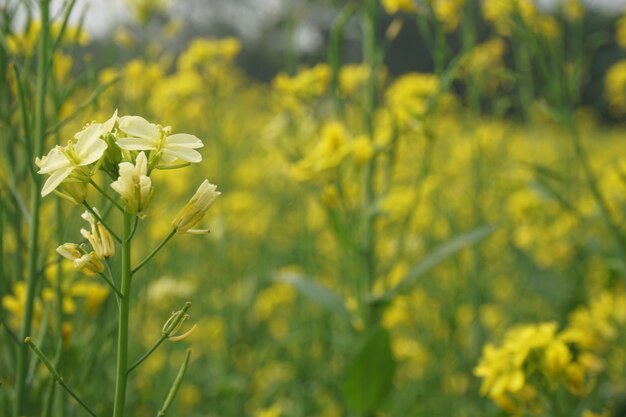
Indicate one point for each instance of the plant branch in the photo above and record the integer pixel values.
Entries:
(107, 196)
(55, 374)
(165, 335)
(154, 251)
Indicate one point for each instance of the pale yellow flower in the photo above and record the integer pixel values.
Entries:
(87, 263)
(100, 239)
(146, 136)
(195, 208)
(62, 161)
(134, 185)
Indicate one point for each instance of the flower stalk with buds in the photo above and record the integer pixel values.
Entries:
(128, 149)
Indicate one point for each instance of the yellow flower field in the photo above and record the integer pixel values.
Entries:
(182, 238)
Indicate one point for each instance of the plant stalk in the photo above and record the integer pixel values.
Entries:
(33, 251)
(124, 309)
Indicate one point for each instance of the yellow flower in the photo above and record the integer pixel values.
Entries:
(448, 12)
(351, 77)
(307, 84)
(615, 86)
(167, 149)
(196, 208)
(87, 263)
(100, 239)
(133, 185)
(408, 97)
(573, 10)
(15, 304)
(326, 155)
(557, 357)
(395, 6)
(61, 161)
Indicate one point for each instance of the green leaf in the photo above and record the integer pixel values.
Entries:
(318, 293)
(440, 254)
(370, 375)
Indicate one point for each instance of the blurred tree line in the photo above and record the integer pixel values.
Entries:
(282, 35)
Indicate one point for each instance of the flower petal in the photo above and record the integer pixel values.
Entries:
(183, 153)
(137, 144)
(183, 139)
(108, 125)
(89, 147)
(54, 161)
(55, 179)
(139, 127)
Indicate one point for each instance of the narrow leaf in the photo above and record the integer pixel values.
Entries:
(440, 254)
(318, 293)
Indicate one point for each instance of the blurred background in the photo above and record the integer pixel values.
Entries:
(422, 214)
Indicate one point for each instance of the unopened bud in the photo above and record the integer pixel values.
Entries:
(196, 207)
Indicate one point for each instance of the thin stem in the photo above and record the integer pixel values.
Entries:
(154, 251)
(166, 334)
(135, 224)
(592, 183)
(113, 287)
(94, 214)
(12, 335)
(108, 197)
(147, 354)
(175, 386)
(31, 277)
(124, 310)
(370, 47)
(55, 374)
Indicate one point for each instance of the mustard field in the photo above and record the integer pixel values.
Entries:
(182, 238)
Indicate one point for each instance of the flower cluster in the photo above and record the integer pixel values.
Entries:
(127, 149)
(537, 358)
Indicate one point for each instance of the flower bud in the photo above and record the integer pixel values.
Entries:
(196, 207)
(76, 192)
(100, 239)
(134, 185)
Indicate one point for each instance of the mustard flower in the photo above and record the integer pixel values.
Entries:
(146, 136)
(87, 263)
(134, 185)
(395, 6)
(100, 239)
(195, 208)
(63, 161)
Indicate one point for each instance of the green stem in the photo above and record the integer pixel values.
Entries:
(175, 386)
(31, 277)
(108, 197)
(370, 50)
(166, 334)
(113, 287)
(124, 310)
(154, 251)
(592, 183)
(55, 374)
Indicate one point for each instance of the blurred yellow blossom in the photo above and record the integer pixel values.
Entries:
(615, 87)
(395, 6)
